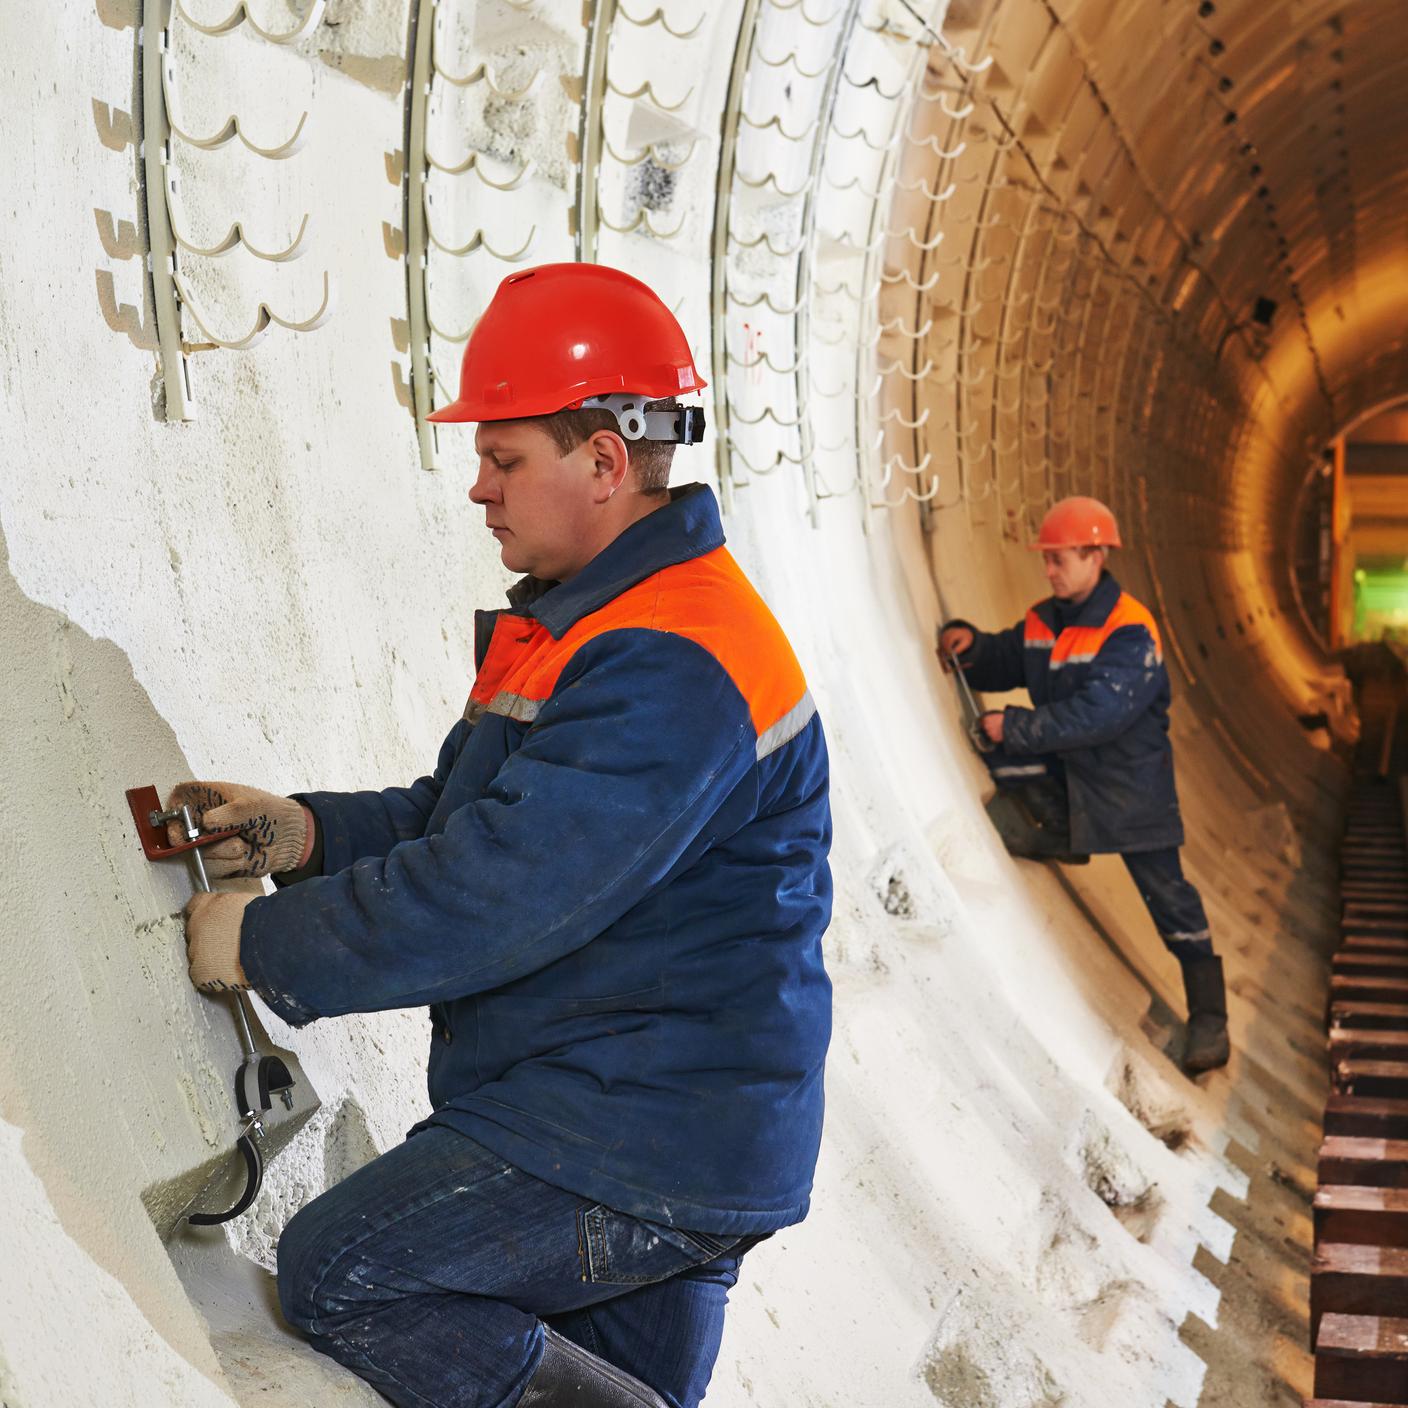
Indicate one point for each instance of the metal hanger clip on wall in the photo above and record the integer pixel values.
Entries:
(683, 426)
(262, 1076)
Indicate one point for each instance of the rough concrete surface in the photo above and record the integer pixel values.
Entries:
(1020, 1201)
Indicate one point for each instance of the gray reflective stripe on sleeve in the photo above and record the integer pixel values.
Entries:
(1201, 936)
(524, 711)
(1039, 644)
(1157, 659)
(1021, 770)
(788, 726)
(510, 706)
(515, 707)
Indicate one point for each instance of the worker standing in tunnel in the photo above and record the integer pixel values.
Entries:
(610, 893)
(1089, 768)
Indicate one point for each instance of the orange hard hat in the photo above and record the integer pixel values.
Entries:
(1077, 523)
(560, 335)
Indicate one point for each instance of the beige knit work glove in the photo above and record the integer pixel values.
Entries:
(213, 940)
(275, 834)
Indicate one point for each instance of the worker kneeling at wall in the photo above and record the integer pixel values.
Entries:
(611, 893)
(1090, 767)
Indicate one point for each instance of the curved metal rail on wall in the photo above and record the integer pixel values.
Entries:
(412, 168)
(170, 243)
(605, 91)
(806, 171)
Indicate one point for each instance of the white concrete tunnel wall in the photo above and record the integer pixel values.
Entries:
(1020, 1200)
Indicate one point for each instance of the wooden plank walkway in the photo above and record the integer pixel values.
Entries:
(1359, 1276)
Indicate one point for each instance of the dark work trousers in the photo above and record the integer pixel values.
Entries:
(1173, 903)
(432, 1270)
(1032, 814)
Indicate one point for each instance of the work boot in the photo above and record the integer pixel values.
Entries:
(1207, 1046)
(568, 1375)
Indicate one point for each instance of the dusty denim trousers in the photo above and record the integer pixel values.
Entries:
(431, 1271)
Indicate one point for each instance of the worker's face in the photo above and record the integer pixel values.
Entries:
(541, 506)
(1071, 575)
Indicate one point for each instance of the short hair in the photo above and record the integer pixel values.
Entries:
(649, 459)
(1087, 548)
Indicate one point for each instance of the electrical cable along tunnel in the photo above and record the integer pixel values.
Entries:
(942, 265)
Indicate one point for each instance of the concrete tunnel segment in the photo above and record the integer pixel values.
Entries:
(943, 265)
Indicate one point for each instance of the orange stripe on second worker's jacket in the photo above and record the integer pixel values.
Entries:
(1079, 644)
(707, 600)
(1037, 634)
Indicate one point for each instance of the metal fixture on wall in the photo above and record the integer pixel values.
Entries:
(169, 241)
(597, 93)
(806, 183)
(411, 169)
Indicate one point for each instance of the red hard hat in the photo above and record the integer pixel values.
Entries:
(555, 335)
(1077, 523)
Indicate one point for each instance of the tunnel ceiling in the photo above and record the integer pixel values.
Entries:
(940, 265)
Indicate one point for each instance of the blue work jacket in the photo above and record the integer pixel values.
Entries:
(1100, 694)
(611, 892)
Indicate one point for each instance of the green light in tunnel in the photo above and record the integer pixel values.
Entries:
(1380, 601)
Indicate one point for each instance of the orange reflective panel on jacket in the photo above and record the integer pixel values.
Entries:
(1081, 644)
(1038, 635)
(707, 600)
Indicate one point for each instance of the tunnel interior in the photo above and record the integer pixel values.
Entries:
(943, 265)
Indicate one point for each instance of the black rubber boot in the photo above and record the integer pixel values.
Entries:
(568, 1374)
(1207, 1046)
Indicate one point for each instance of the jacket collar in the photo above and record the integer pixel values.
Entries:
(1093, 611)
(685, 528)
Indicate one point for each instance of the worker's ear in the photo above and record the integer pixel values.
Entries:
(611, 462)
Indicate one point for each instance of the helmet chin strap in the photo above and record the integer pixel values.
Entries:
(683, 426)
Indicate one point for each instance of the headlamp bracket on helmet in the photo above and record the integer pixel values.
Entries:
(682, 426)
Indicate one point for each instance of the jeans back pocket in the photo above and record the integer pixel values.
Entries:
(618, 1249)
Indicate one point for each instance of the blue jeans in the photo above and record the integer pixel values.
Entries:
(431, 1271)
